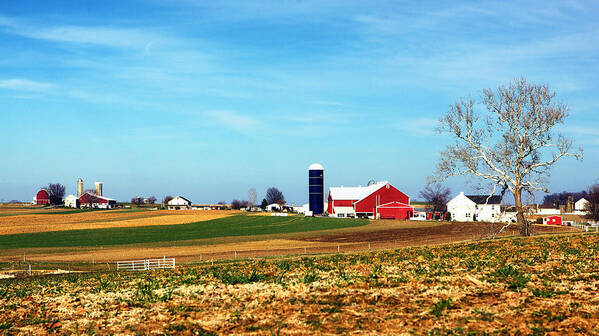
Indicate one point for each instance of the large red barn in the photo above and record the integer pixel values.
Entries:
(42, 197)
(378, 200)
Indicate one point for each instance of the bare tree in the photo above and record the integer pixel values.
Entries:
(56, 192)
(237, 204)
(274, 195)
(511, 146)
(437, 195)
(252, 197)
(166, 199)
(151, 199)
(137, 200)
(592, 207)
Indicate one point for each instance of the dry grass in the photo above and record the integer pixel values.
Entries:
(103, 219)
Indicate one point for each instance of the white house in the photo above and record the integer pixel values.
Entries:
(580, 207)
(473, 208)
(71, 201)
(179, 203)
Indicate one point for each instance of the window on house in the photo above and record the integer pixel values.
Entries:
(467, 215)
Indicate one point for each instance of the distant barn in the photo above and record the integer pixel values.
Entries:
(42, 197)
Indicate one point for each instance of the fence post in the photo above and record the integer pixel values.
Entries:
(368, 246)
(235, 254)
(338, 248)
(304, 250)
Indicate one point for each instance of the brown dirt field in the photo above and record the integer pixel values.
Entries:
(101, 219)
(377, 235)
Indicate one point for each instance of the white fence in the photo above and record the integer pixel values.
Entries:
(145, 264)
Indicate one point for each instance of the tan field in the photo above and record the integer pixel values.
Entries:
(28, 223)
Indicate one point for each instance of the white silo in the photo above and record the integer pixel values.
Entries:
(98, 188)
(79, 188)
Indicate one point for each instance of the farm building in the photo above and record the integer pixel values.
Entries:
(179, 203)
(552, 220)
(89, 200)
(71, 201)
(377, 200)
(42, 197)
(481, 208)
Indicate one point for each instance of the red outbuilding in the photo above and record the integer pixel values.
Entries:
(89, 200)
(42, 197)
(377, 200)
(553, 220)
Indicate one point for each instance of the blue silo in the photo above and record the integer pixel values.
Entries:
(316, 188)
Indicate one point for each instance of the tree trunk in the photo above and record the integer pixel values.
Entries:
(522, 222)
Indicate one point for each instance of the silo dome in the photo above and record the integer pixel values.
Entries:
(315, 166)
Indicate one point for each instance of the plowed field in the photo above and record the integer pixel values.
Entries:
(28, 223)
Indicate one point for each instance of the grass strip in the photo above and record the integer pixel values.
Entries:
(239, 225)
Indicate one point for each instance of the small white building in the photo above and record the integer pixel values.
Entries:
(179, 203)
(71, 201)
(474, 208)
(273, 207)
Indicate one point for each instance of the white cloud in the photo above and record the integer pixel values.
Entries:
(235, 121)
(103, 36)
(25, 85)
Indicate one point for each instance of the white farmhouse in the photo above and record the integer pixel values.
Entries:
(179, 203)
(580, 207)
(71, 201)
(474, 208)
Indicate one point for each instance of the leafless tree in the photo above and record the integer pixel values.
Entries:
(274, 195)
(437, 195)
(592, 207)
(252, 197)
(137, 200)
(166, 199)
(151, 199)
(512, 146)
(56, 192)
(237, 204)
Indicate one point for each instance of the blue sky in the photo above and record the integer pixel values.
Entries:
(209, 98)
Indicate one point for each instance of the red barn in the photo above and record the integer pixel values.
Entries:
(552, 220)
(42, 197)
(378, 200)
(89, 200)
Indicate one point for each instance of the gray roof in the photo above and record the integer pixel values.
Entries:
(482, 199)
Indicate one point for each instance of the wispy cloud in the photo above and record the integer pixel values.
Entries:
(234, 121)
(101, 36)
(25, 85)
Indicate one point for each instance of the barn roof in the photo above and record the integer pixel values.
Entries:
(96, 196)
(482, 199)
(354, 193)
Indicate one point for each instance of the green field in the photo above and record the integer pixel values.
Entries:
(240, 225)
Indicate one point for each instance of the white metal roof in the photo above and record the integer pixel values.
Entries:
(315, 166)
(354, 193)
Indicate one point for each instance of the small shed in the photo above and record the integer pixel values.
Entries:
(71, 201)
(552, 220)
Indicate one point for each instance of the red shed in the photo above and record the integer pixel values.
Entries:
(380, 199)
(42, 197)
(552, 220)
